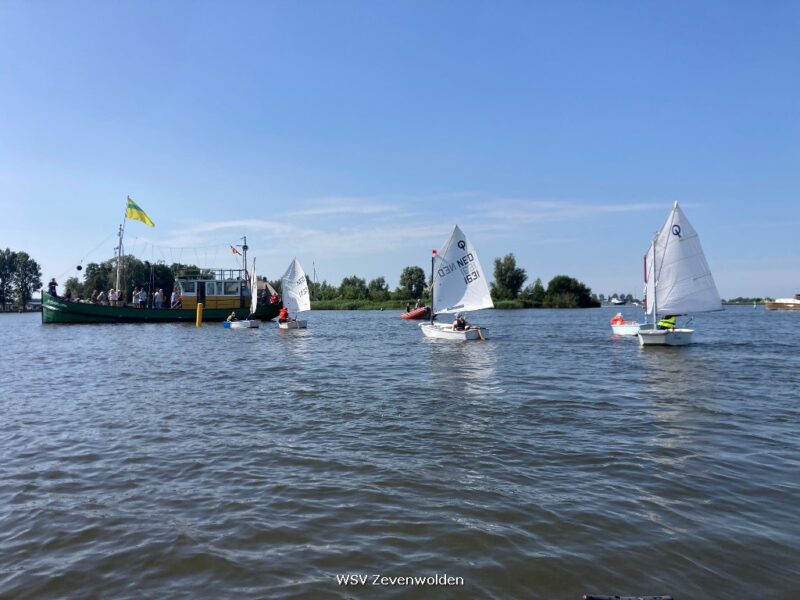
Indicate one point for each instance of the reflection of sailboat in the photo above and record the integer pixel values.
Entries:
(295, 295)
(458, 286)
(679, 280)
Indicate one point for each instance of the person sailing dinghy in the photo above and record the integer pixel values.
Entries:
(459, 285)
(249, 322)
(679, 281)
(296, 299)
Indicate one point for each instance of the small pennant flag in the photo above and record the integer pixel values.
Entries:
(234, 250)
(435, 251)
(134, 211)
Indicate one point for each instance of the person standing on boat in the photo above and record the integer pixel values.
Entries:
(668, 322)
(158, 298)
(51, 288)
(112, 297)
(101, 298)
(142, 298)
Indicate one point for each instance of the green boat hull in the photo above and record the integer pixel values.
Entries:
(58, 310)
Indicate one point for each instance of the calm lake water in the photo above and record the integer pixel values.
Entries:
(553, 460)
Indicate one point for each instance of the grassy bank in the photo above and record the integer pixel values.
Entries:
(357, 305)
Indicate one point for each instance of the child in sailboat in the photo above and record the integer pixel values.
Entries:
(668, 322)
(460, 324)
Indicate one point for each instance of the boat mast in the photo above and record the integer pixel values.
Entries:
(433, 257)
(655, 285)
(244, 257)
(120, 251)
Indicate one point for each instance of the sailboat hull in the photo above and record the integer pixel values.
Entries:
(630, 329)
(298, 324)
(245, 324)
(665, 337)
(446, 332)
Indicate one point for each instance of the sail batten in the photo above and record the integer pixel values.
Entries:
(681, 278)
(295, 288)
(459, 282)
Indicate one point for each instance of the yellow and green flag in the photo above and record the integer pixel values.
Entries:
(134, 211)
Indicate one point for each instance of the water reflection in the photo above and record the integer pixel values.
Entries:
(464, 368)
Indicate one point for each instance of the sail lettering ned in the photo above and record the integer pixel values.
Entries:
(464, 265)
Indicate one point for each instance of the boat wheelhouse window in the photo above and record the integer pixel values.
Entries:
(231, 288)
(188, 287)
(213, 288)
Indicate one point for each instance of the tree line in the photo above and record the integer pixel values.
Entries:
(20, 277)
(507, 290)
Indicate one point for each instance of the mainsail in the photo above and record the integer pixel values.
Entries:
(682, 282)
(459, 283)
(295, 288)
(254, 290)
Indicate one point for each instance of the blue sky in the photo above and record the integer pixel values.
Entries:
(354, 135)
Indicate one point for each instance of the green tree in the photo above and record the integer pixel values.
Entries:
(566, 292)
(378, 289)
(353, 288)
(8, 264)
(27, 278)
(74, 286)
(98, 276)
(508, 278)
(326, 291)
(412, 282)
(535, 293)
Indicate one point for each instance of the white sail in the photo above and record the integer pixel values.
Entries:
(459, 282)
(254, 290)
(683, 280)
(649, 281)
(295, 289)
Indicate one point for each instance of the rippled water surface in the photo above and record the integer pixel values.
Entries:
(553, 460)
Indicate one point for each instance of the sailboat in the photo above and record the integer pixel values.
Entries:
(679, 280)
(458, 285)
(295, 295)
(249, 322)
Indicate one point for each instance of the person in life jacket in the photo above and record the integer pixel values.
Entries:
(668, 322)
(283, 315)
(460, 324)
(617, 320)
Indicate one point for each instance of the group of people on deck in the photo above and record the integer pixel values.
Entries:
(117, 297)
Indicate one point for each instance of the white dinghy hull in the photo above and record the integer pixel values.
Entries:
(298, 324)
(630, 330)
(665, 337)
(446, 332)
(244, 324)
